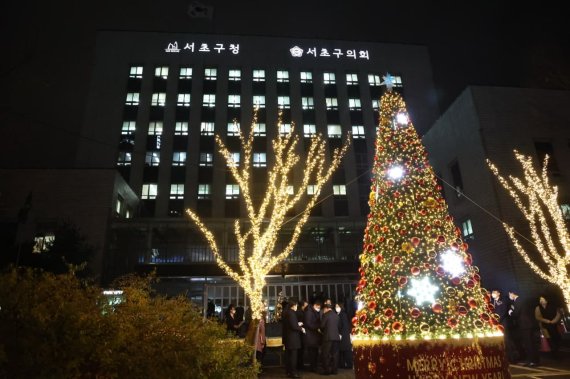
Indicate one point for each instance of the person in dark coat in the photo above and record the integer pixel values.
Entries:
(345, 346)
(526, 328)
(330, 328)
(312, 339)
(292, 330)
(502, 306)
(232, 323)
(549, 316)
(301, 317)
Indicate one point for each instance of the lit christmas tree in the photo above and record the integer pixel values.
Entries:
(422, 311)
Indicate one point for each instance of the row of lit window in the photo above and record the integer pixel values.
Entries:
(259, 75)
(150, 191)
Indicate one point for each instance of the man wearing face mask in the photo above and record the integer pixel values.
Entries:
(312, 337)
(502, 307)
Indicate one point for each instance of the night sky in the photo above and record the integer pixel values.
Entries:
(48, 48)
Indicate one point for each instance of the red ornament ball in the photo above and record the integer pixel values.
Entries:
(452, 322)
(415, 313)
(379, 258)
(437, 308)
(372, 305)
(393, 272)
(455, 281)
(440, 271)
(397, 326)
(415, 270)
(354, 320)
(415, 241)
(402, 281)
(377, 280)
(440, 238)
(396, 260)
(388, 312)
(472, 303)
(461, 310)
(377, 323)
(362, 318)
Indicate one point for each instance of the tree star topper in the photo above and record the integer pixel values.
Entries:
(388, 81)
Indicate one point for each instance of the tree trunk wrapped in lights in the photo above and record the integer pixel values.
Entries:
(538, 201)
(422, 311)
(257, 238)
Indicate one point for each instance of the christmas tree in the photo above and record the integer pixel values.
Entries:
(419, 292)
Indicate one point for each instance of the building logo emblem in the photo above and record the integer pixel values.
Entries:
(296, 51)
(172, 48)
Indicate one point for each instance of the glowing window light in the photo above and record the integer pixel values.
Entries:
(422, 290)
(452, 263)
(395, 172)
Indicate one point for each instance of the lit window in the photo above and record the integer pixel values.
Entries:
(308, 103)
(339, 190)
(375, 105)
(183, 100)
(152, 158)
(234, 160)
(207, 129)
(397, 80)
(125, 158)
(234, 101)
(206, 159)
(357, 131)
(158, 99)
(149, 191)
(329, 78)
(42, 243)
(232, 191)
(210, 73)
(233, 128)
(204, 191)
(283, 76)
(179, 158)
(181, 128)
(259, 101)
(161, 72)
(306, 77)
(155, 128)
(129, 127)
(209, 100)
(177, 191)
(334, 131)
(311, 189)
(332, 103)
(352, 79)
(259, 159)
(132, 98)
(136, 72)
(284, 129)
(354, 104)
(259, 130)
(258, 75)
(283, 102)
(565, 208)
(290, 190)
(235, 75)
(185, 73)
(119, 205)
(374, 80)
(309, 130)
(128, 213)
(467, 229)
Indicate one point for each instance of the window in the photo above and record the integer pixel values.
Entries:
(456, 178)
(352, 79)
(334, 131)
(232, 191)
(209, 100)
(161, 72)
(375, 105)
(259, 130)
(259, 159)
(309, 130)
(152, 158)
(284, 129)
(233, 128)
(234, 75)
(308, 103)
(283, 76)
(183, 100)
(42, 243)
(354, 104)
(374, 80)
(181, 128)
(467, 229)
(397, 80)
(258, 75)
(128, 128)
(185, 73)
(283, 102)
(290, 190)
(177, 191)
(306, 77)
(329, 78)
(357, 131)
(207, 129)
(332, 103)
(125, 158)
(311, 189)
(149, 191)
(210, 73)
(155, 128)
(259, 101)
(204, 191)
(132, 98)
(565, 208)
(234, 101)
(206, 159)
(339, 190)
(234, 160)
(158, 99)
(119, 205)
(179, 158)
(136, 72)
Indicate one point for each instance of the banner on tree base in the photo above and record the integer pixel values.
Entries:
(477, 358)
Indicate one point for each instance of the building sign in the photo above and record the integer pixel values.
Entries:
(192, 47)
(298, 52)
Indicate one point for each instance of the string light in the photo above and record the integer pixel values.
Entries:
(547, 226)
(257, 238)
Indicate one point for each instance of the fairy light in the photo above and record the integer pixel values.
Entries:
(257, 239)
(537, 199)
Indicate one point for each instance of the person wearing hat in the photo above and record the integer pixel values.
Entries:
(330, 328)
